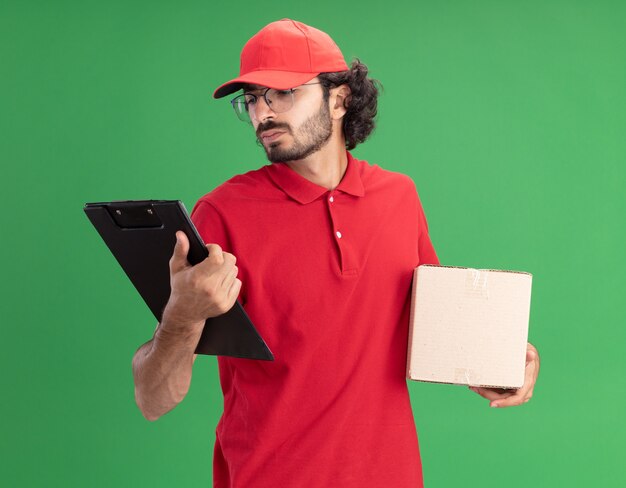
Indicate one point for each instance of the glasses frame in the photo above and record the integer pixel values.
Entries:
(236, 101)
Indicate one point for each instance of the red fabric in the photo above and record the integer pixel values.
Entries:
(333, 409)
(285, 54)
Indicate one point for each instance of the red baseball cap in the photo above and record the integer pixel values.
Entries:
(285, 54)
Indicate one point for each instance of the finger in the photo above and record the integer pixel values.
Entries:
(491, 394)
(178, 261)
(215, 257)
(522, 395)
(531, 354)
(230, 277)
(516, 399)
(228, 261)
(530, 377)
(234, 290)
(215, 253)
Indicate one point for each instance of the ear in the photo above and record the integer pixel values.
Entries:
(339, 100)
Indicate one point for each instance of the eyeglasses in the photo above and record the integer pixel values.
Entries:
(277, 100)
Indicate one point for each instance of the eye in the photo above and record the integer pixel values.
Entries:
(250, 99)
(280, 94)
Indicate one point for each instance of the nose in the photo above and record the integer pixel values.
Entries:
(261, 111)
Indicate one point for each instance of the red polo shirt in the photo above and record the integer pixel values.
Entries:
(326, 280)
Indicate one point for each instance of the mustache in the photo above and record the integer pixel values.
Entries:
(270, 124)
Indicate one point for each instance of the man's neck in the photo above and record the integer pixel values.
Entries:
(326, 167)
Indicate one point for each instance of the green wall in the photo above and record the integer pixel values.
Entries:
(509, 115)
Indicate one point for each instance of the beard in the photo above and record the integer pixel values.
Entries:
(312, 135)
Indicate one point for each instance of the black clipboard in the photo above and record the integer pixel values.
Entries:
(141, 235)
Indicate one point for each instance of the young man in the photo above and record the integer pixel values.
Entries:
(326, 246)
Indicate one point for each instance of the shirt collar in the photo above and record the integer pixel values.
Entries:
(304, 191)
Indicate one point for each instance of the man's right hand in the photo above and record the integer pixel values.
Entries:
(205, 290)
(162, 367)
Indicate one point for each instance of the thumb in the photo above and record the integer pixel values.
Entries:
(531, 354)
(178, 261)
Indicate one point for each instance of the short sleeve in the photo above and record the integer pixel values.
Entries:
(426, 251)
(210, 224)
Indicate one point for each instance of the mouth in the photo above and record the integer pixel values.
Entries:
(271, 135)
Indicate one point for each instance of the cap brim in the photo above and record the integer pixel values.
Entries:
(281, 80)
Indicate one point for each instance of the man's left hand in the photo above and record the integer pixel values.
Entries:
(507, 398)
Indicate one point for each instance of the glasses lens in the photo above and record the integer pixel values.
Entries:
(279, 100)
(240, 105)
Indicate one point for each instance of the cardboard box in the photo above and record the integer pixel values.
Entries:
(469, 326)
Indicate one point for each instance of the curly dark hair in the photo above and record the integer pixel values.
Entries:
(361, 105)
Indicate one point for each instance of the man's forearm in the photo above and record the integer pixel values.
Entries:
(162, 369)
